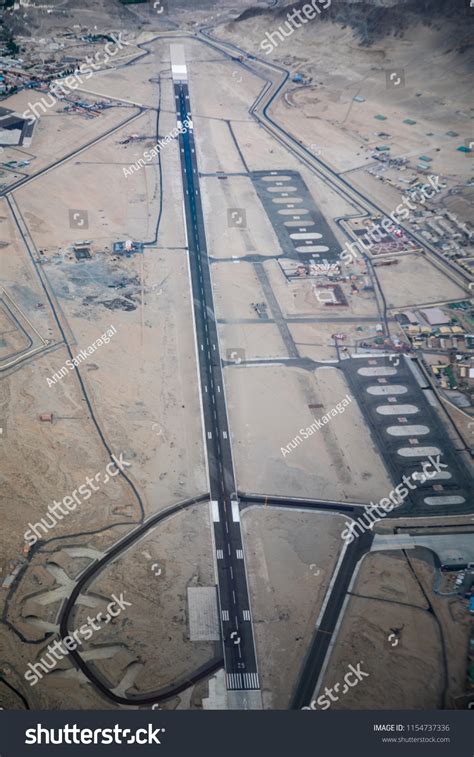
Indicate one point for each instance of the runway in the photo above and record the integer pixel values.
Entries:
(235, 615)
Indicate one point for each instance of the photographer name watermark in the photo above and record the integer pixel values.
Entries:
(70, 365)
(318, 423)
(148, 155)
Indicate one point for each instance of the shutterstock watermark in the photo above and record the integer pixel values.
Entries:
(70, 502)
(63, 87)
(378, 231)
(148, 155)
(305, 433)
(429, 469)
(73, 734)
(295, 19)
(352, 678)
(60, 648)
(70, 365)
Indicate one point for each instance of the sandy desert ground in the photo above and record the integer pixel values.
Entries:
(139, 394)
(390, 594)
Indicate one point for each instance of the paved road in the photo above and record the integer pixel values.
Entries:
(318, 650)
(87, 577)
(274, 306)
(236, 624)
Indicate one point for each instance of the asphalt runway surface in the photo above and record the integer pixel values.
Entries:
(234, 604)
(407, 431)
(309, 238)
